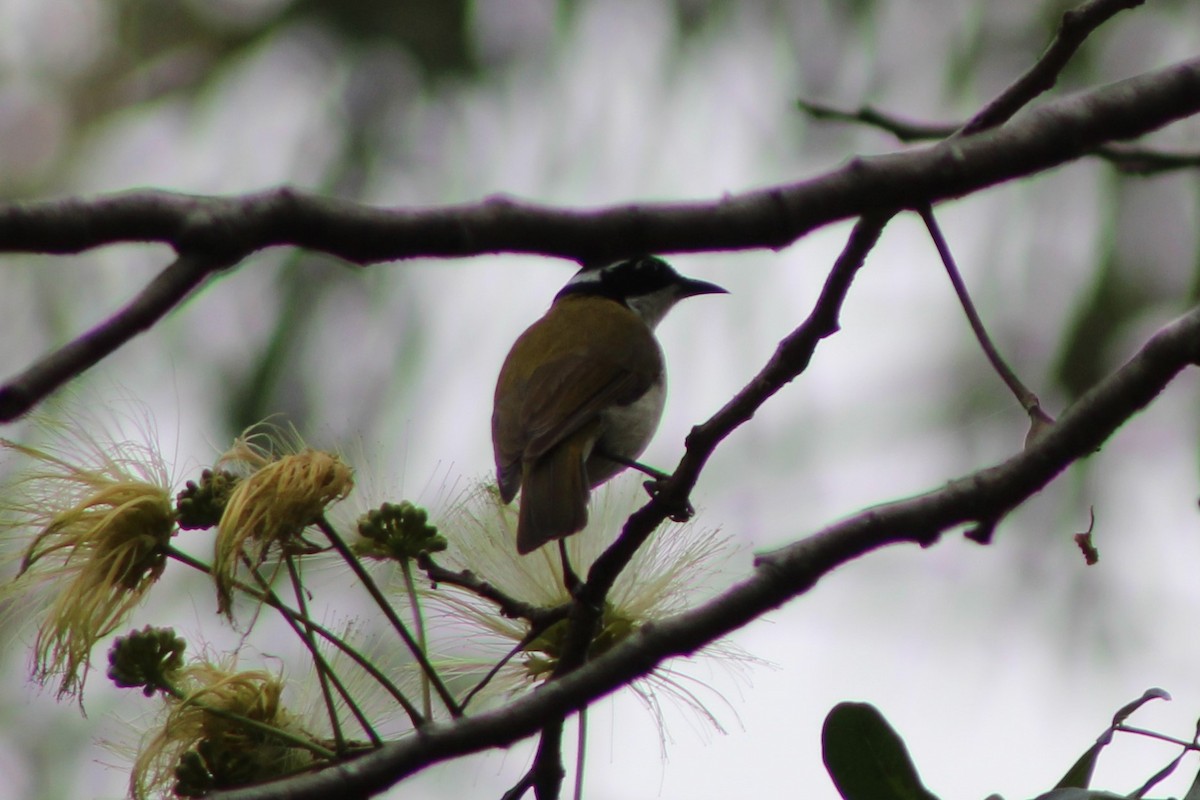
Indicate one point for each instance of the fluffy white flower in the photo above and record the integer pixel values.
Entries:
(671, 572)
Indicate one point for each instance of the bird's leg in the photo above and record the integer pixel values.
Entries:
(680, 514)
(657, 474)
(570, 579)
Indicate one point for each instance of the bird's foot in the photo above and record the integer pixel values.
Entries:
(681, 512)
(678, 512)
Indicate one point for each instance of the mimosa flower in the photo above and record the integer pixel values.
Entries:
(222, 728)
(100, 516)
(665, 577)
(283, 494)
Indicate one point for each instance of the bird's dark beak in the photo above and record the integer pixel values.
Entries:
(691, 288)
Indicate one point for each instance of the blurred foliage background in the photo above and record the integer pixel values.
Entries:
(1008, 658)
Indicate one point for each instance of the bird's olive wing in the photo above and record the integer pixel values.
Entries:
(584, 356)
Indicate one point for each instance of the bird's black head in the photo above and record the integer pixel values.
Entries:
(648, 285)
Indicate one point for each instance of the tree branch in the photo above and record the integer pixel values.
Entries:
(166, 291)
(1147, 161)
(1025, 396)
(791, 357)
(904, 129)
(1074, 27)
(1123, 158)
(986, 495)
(511, 607)
(1040, 139)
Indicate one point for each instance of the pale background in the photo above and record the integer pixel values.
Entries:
(999, 665)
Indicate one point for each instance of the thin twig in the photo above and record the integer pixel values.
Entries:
(1162, 737)
(520, 788)
(535, 630)
(1146, 161)
(1075, 26)
(509, 606)
(1028, 400)
(905, 130)
(410, 587)
(791, 358)
(169, 288)
(1126, 159)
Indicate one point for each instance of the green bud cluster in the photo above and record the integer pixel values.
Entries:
(200, 505)
(146, 658)
(398, 532)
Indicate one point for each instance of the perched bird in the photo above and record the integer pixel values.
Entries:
(582, 391)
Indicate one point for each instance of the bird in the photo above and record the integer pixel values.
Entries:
(581, 393)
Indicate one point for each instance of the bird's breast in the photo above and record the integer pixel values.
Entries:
(626, 430)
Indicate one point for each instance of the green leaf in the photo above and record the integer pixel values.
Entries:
(1194, 792)
(866, 758)
(1080, 773)
(1126, 711)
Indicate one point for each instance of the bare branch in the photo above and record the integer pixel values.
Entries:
(1074, 27)
(1145, 161)
(791, 357)
(162, 294)
(511, 607)
(782, 575)
(905, 130)
(1124, 158)
(1028, 400)
(1042, 138)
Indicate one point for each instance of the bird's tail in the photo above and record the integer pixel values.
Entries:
(554, 495)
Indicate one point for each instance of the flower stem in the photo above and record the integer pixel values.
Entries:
(419, 623)
(373, 589)
(306, 635)
(272, 600)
